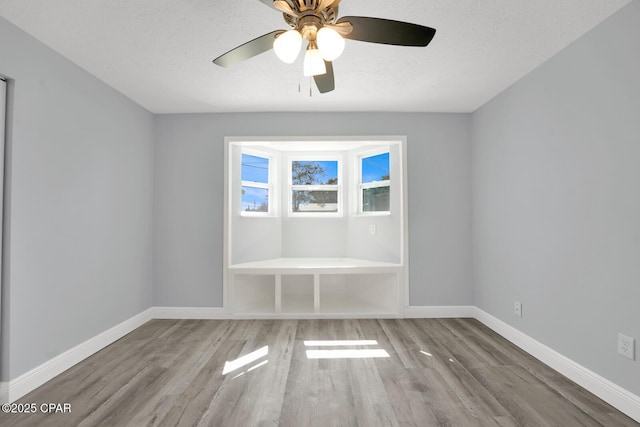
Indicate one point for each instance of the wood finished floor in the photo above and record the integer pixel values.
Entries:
(453, 372)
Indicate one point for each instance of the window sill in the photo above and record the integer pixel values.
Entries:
(368, 214)
(315, 215)
(257, 215)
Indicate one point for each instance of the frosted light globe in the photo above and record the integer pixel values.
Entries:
(330, 43)
(313, 63)
(287, 46)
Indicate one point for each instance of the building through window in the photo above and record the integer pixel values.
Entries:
(375, 183)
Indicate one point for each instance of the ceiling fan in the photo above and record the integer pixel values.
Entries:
(316, 21)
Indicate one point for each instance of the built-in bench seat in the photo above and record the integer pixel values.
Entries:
(299, 287)
(310, 265)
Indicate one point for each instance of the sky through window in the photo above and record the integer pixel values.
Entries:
(375, 168)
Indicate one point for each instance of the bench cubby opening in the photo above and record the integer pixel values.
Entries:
(255, 294)
(297, 294)
(360, 293)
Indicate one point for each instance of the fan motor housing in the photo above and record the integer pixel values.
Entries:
(322, 17)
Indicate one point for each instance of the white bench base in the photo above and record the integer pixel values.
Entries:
(315, 287)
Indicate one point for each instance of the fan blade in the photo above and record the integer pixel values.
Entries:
(268, 3)
(326, 82)
(386, 31)
(284, 7)
(248, 50)
(343, 28)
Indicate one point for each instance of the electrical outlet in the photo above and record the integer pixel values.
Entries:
(517, 309)
(373, 229)
(627, 346)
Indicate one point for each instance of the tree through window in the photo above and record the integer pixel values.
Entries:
(314, 186)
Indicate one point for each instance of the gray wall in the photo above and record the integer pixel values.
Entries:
(556, 190)
(188, 226)
(79, 193)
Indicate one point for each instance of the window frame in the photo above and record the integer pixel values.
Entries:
(269, 186)
(316, 187)
(361, 186)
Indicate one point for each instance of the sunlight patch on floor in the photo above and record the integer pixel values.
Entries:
(337, 343)
(344, 353)
(347, 354)
(246, 360)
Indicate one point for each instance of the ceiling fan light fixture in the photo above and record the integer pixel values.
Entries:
(287, 46)
(313, 62)
(330, 43)
(316, 21)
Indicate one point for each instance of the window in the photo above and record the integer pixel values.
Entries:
(315, 186)
(256, 186)
(374, 191)
(313, 179)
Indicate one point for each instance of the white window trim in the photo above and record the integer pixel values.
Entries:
(400, 182)
(327, 187)
(270, 186)
(373, 184)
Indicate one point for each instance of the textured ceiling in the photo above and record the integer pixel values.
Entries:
(159, 52)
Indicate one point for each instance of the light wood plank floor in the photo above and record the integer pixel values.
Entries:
(453, 372)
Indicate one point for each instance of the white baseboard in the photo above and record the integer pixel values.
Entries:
(215, 313)
(309, 316)
(29, 381)
(611, 393)
(203, 313)
(439, 312)
(4, 392)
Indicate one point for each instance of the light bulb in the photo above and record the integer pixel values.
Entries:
(313, 62)
(330, 43)
(287, 46)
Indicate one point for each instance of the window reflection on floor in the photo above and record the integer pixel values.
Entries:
(345, 353)
(337, 343)
(245, 360)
